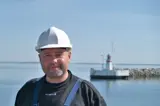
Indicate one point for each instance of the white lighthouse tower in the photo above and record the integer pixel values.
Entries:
(109, 65)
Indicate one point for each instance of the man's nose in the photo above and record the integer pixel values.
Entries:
(54, 60)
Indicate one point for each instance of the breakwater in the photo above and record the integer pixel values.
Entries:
(143, 72)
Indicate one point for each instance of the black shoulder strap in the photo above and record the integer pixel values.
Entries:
(72, 93)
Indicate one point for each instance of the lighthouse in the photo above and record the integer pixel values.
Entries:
(109, 65)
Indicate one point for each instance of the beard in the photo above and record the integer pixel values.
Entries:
(55, 73)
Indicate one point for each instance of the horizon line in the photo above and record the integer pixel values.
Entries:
(82, 63)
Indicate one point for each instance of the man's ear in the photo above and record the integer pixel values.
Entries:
(39, 57)
(69, 55)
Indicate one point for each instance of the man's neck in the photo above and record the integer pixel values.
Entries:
(58, 79)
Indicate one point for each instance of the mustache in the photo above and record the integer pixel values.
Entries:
(55, 65)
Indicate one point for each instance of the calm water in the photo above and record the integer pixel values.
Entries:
(116, 93)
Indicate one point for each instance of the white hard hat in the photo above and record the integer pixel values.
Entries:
(53, 38)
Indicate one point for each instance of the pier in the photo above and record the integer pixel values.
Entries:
(144, 72)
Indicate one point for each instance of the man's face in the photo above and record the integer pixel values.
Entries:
(54, 62)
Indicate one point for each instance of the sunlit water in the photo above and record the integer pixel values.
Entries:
(116, 93)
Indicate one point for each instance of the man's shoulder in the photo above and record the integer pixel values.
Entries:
(32, 81)
(26, 90)
(86, 85)
(91, 93)
(29, 84)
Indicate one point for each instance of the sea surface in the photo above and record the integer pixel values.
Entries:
(115, 92)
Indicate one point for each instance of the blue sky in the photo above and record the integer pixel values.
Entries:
(133, 26)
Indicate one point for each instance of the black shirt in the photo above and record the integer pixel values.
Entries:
(55, 94)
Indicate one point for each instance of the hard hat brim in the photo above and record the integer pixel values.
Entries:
(53, 46)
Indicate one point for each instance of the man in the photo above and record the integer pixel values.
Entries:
(58, 87)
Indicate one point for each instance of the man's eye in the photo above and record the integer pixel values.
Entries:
(58, 55)
(47, 55)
